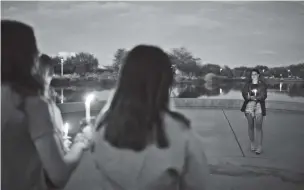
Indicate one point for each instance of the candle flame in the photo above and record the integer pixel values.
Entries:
(89, 98)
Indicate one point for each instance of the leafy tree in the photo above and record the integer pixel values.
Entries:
(279, 72)
(184, 61)
(119, 57)
(82, 62)
(210, 68)
(297, 70)
(57, 66)
(261, 68)
(241, 71)
(86, 60)
(56, 60)
(226, 71)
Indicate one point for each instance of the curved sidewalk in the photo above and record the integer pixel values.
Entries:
(232, 165)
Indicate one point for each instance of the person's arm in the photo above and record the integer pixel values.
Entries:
(262, 95)
(196, 171)
(245, 92)
(58, 166)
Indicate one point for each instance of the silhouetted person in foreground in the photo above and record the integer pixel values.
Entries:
(255, 94)
(140, 142)
(32, 157)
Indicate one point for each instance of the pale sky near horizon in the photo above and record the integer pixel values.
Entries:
(224, 33)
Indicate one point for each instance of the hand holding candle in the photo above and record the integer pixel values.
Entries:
(255, 91)
(66, 127)
(88, 101)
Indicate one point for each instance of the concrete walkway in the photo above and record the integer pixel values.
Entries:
(232, 165)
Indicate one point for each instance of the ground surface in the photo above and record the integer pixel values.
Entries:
(232, 165)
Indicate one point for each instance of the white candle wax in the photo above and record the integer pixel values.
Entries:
(88, 100)
(88, 111)
(66, 129)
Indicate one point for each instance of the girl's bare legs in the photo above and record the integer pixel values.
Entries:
(250, 120)
(259, 132)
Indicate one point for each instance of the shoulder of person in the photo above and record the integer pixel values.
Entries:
(6, 90)
(9, 97)
(5, 87)
(10, 101)
(36, 102)
(263, 84)
(246, 85)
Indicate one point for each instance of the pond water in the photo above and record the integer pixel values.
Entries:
(280, 91)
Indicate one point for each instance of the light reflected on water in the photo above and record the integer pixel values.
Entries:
(280, 91)
(61, 97)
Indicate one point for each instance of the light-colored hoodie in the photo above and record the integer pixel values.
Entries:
(182, 166)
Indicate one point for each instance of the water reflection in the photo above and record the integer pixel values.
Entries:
(277, 90)
(217, 89)
(61, 97)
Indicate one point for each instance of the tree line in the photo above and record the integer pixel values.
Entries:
(81, 63)
(182, 59)
(191, 66)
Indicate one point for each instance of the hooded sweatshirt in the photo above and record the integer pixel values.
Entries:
(21, 167)
(182, 166)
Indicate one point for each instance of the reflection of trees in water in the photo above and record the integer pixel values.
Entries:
(216, 88)
(296, 90)
(76, 94)
(207, 89)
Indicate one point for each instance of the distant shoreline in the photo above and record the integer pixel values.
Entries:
(65, 82)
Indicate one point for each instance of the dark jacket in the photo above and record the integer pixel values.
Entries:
(261, 95)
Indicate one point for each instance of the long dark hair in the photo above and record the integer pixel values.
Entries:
(18, 55)
(141, 98)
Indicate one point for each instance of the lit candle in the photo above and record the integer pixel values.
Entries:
(88, 101)
(255, 91)
(66, 130)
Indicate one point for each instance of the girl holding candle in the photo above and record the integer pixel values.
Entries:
(255, 94)
(32, 155)
(46, 72)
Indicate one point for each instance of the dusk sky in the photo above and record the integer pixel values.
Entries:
(224, 33)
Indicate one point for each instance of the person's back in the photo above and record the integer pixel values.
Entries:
(141, 143)
(21, 168)
(181, 166)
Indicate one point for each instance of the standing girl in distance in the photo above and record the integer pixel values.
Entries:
(255, 94)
